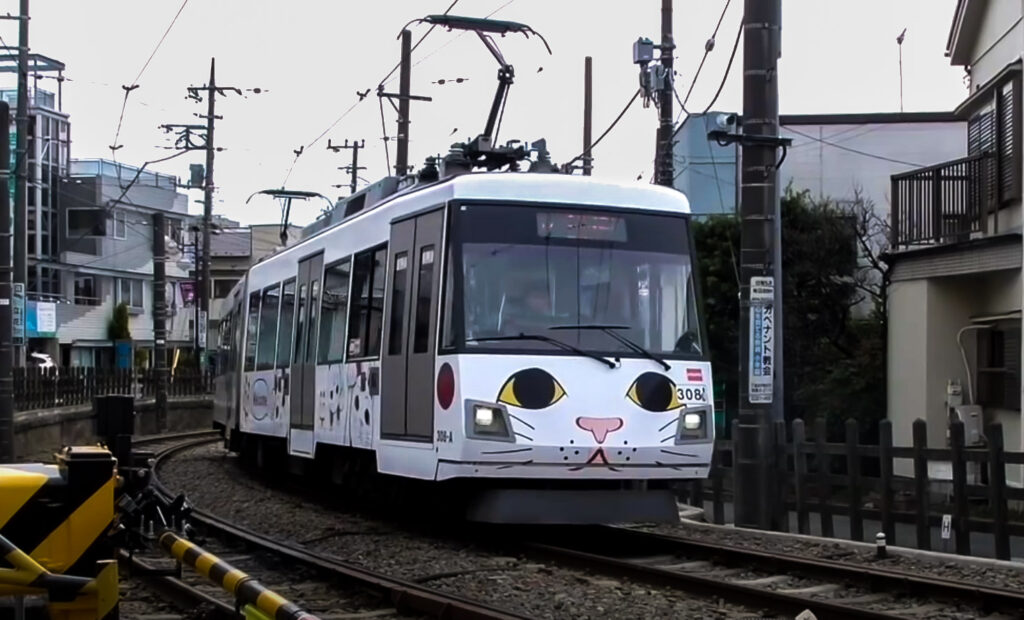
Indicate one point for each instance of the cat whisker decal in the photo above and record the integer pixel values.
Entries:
(686, 454)
(506, 451)
(510, 465)
(522, 421)
(674, 420)
(527, 438)
(670, 437)
(669, 465)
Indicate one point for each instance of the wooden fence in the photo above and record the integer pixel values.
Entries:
(857, 480)
(44, 388)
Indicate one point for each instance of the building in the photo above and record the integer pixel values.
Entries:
(956, 256)
(233, 249)
(106, 258)
(835, 156)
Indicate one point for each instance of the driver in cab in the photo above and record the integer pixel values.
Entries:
(529, 314)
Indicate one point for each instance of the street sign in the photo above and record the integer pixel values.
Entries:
(762, 354)
(947, 524)
(762, 290)
(18, 315)
(202, 329)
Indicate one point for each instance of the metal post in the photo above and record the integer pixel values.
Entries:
(664, 170)
(159, 320)
(758, 214)
(195, 300)
(588, 112)
(6, 354)
(404, 75)
(204, 288)
(354, 181)
(20, 231)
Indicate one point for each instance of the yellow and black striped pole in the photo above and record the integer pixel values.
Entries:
(259, 601)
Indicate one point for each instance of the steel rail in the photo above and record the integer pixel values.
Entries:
(403, 594)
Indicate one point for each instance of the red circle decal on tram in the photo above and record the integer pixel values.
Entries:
(445, 385)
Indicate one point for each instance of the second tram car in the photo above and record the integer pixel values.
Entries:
(538, 334)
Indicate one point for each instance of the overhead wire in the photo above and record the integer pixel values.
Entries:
(728, 67)
(708, 47)
(853, 150)
(610, 127)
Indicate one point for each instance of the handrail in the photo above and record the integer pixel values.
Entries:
(945, 164)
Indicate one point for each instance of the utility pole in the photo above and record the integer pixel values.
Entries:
(665, 171)
(6, 354)
(21, 159)
(404, 97)
(760, 330)
(354, 167)
(211, 90)
(588, 113)
(160, 319)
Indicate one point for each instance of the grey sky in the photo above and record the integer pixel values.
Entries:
(313, 55)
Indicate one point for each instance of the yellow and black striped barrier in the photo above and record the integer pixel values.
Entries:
(257, 601)
(54, 521)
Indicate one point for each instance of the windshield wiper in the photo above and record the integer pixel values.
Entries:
(610, 330)
(558, 343)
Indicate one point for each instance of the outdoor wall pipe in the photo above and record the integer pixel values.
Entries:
(245, 589)
(963, 356)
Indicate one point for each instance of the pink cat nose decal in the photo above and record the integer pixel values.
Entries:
(600, 427)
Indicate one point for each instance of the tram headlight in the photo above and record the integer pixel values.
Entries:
(692, 421)
(483, 416)
(487, 421)
(693, 424)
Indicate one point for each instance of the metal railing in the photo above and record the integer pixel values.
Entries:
(45, 388)
(944, 203)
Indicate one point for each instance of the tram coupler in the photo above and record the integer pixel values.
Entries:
(258, 600)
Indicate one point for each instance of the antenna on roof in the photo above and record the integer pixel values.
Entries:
(899, 44)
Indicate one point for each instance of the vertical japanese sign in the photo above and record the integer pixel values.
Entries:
(18, 315)
(202, 329)
(762, 340)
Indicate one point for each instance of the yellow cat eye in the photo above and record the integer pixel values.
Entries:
(531, 388)
(654, 392)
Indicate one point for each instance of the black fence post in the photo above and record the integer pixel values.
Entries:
(960, 513)
(885, 467)
(824, 483)
(853, 474)
(717, 505)
(781, 516)
(924, 535)
(803, 524)
(997, 490)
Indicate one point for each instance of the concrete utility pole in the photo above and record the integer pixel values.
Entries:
(404, 97)
(211, 91)
(588, 113)
(354, 167)
(6, 354)
(21, 159)
(664, 169)
(160, 319)
(759, 270)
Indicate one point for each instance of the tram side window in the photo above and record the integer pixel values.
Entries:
(300, 307)
(314, 305)
(284, 332)
(333, 310)
(398, 277)
(268, 328)
(252, 330)
(367, 310)
(423, 297)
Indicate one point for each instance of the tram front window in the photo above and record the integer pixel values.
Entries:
(560, 273)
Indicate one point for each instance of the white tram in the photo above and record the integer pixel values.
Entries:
(539, 334)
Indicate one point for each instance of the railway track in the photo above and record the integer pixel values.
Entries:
(320, 584)
(779, 583)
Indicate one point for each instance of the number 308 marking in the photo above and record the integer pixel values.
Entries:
(691, 394)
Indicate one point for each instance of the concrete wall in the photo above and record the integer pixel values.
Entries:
(39, 434)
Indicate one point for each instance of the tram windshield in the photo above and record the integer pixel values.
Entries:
(574, 275)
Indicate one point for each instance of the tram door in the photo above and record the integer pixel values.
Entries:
(303, 371)
(407, 398)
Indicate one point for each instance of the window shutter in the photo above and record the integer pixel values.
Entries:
(1011, 361)
(1008, 141)
(981, 135)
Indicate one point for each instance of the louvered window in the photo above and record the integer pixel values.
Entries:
(997, 131)
(999, 368)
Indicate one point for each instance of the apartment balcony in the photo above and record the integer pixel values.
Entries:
(945, 203)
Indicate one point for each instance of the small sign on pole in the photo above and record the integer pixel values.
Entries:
(202, 329)
(761, 373)
(18, 315)
(947, 526)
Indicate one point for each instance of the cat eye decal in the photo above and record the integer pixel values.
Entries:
(654, 392)
(531, 388)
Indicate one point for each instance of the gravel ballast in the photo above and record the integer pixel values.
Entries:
(215, 482)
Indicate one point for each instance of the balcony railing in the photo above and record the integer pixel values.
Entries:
(944, 203)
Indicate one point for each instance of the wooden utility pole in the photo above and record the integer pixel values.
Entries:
(664, 169)
(404, 77)
(354, 167)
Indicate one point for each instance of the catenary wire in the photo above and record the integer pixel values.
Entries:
(852, 150)
(606, 131)
(728, 67)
